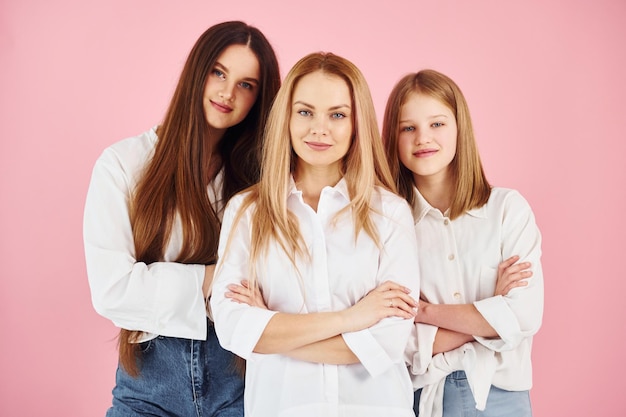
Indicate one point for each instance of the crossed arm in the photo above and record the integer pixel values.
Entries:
(459, 323)
(320, 338)
(316, 337)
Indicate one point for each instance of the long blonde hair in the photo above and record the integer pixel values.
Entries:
(471, 188)
(363, 167)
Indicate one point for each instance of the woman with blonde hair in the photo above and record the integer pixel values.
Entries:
(326, 254)
(479, 250)
(152, 221)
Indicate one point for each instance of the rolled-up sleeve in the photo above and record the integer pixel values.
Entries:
(238, 326)
(418, 353)
(162, 298)
(383, 345)
(518, 314)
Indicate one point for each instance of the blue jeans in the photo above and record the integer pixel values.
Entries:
(181, 378)
(458, 400)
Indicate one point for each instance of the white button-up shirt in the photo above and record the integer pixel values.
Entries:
(162, 298)
(340, 273)
(458, 265)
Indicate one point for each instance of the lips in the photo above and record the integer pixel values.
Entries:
(424, 153)
(221, 107)
(318, 146)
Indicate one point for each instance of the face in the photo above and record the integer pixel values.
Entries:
(321, 121)
(231, 87)
(427, 138)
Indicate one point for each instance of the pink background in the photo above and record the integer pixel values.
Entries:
(545, 81)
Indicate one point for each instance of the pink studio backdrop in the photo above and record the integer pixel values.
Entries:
(546, 86)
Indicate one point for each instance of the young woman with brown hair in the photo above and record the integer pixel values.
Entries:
(152, 222)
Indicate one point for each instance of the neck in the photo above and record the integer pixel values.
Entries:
(215, 136)
(311, 180)
(437, 191)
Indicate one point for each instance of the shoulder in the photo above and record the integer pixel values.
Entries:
(240, 199)
(385, 196)
(507, 197)
(388, 202)
(509, 205)
(121, 164)
(135, 150)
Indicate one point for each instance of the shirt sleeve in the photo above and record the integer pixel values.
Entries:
(518, 314)
(418, 353)
(383, 345)
(162, 298)
(238, 326)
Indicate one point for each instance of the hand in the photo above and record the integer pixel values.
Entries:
(510, 275)
(243, 294)
(387, 300)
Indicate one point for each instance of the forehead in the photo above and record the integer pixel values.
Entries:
(240, 62)
(322, 89)
(423, 105)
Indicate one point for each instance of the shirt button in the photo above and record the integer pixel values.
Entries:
(445, 222)
(451, 257)
(457, 295)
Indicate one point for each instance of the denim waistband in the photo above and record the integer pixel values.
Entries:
(457, 375)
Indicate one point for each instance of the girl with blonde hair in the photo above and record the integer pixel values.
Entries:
(325, 251)
(479, 250)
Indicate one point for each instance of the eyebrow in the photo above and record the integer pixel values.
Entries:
(340, 106)
(429, 117)
(222, 67)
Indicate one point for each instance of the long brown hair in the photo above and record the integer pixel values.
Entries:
(471, 188)
(364, 166)
(176, 178)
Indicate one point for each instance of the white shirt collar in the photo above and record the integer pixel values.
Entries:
(421, 207)
(340, 188)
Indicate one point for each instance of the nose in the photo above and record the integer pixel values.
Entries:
(228, 92)
(421, 137)
(318, 126)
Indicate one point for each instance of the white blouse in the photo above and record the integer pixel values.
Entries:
(458, 265)
(162, 298)
(340, 273)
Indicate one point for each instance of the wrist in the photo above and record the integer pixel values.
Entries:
(344, 322)
(425, 313)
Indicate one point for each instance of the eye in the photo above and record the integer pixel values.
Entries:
(407, 129)
(246, 85)
(305, 113)
(437, 124)
(219, 74)
(337, 115)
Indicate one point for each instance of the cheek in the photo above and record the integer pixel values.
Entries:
(346, 133)
(296, 128)
(405, 160)
(404, 144)
(249, 102)
(451, 142)
(405, 150)
(207, 86)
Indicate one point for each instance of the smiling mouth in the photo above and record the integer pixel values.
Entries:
(221, 107)
(425, 153)
(318, 146)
